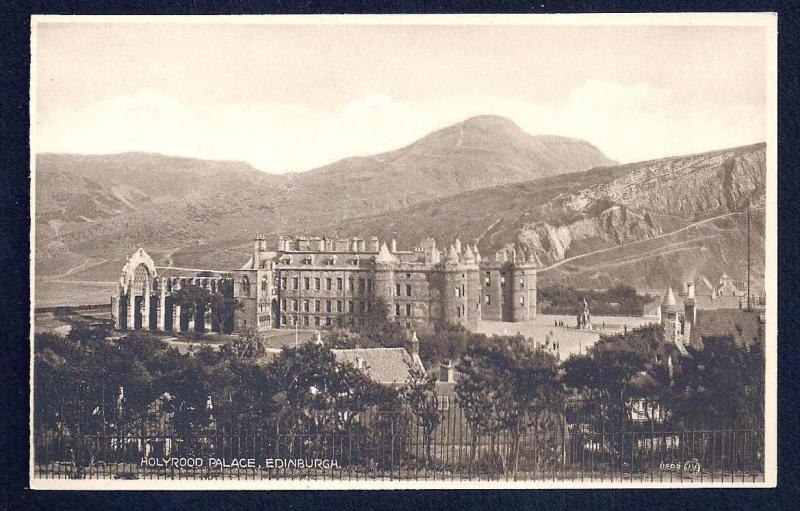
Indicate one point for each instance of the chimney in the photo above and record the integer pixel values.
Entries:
(458, 245)
(689, 308)
(394, 245)
(446, 372)
(414, 344)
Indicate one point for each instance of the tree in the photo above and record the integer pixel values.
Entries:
(376, 326)
(720, 385)
(82, 332)
(311, 389)
(419, 393)
(611, 370)
(250, 344)
(447, 343)
(505, 385)
(344, 339)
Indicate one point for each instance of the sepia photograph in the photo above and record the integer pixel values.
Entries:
(395, 251)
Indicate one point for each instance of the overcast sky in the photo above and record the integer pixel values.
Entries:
(294, 97)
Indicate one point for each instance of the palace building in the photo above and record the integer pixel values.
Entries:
(318, 282)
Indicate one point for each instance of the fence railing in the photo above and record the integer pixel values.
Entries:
(399, 449)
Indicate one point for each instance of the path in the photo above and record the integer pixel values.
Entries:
(609, 249)
(86, 264)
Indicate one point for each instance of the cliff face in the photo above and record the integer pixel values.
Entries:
(649, 199)
(614, 225)
(687, 187)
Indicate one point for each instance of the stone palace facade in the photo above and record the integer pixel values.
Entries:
(318, 282)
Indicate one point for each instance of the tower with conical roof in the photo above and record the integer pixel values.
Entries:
(671, 317)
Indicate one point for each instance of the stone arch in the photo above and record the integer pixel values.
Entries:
(136, 285)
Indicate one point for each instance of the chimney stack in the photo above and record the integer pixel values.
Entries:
(446, 372)
(394, 245)
(414, 344)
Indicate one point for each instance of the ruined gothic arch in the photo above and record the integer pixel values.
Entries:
(138, 274)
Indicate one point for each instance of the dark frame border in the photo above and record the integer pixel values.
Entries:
(14, 250)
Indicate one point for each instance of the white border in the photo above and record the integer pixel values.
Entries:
(766, 20)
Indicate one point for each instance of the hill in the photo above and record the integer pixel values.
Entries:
(646, 224)
(103, 207)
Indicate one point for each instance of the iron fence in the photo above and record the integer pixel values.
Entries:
(396, 447)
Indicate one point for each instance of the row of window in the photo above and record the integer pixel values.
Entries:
(307, 261)
(329, 284)
(329, 305)
(487, 300)
(488, 280)
(318, 321)
(399, 287)
(398, 308)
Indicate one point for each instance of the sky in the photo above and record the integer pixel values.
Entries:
(294, 97)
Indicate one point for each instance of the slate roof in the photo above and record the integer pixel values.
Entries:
(388, 366)
(744, 325)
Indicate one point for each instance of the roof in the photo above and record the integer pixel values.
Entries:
(669, 298)
(384, 256)
(743, 325)
(651, 307)
(389, 366)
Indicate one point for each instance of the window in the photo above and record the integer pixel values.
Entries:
(458, 311)
(522, 300)
(397, 309)
(397, 289)
(328, 284)
(354, 262)
(408, 275)
(339, 284)
(350, 306)
(283, 320)
(328, 307)
(288, 260)
(306, 306)
(502, 281)
(306, 283)
(294, 305)
(488, 281)
(521, 282)
(316, 306)
(295, 283)
(245, 286)
(362, 283)
(316, 284)
(316, 320)
(339, 306)
(408, 289)
(458, 292)
(283, 282)
(327, 321)
(350, 284)
(264, 283)
(408, 309)
(487, 300)
(307, 261)
(283, 304)
(305, 320)
(408, 325)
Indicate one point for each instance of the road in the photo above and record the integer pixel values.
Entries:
(626, 245)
